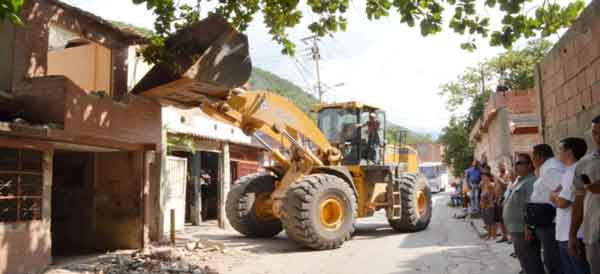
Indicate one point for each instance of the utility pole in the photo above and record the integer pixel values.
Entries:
(316, 56)
(482, 79)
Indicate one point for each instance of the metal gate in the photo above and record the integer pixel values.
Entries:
(173, 192)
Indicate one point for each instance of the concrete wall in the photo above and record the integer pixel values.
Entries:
(136, 67)
(25, 247)
(569, 82)
(28, 50)
(118, 200)
(88, 66)
(523, 143)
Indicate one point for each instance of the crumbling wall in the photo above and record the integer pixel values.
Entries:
(569, 80)
(28, 50)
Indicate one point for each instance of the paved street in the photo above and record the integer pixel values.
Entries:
(448, 246)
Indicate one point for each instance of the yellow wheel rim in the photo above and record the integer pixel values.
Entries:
(331, 213)
(263, 207)
(421, 203)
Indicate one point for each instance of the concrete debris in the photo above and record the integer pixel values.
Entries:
(155, 261)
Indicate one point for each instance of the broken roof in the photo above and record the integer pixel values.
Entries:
(129, 36)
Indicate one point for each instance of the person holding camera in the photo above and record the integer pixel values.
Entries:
(586, 208)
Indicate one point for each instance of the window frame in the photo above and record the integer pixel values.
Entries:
(19, 173)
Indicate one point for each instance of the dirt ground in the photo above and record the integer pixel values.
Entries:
(447, 246)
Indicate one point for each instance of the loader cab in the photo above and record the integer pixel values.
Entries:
(346, 126)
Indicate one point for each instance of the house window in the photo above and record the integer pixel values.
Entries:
(21, 185)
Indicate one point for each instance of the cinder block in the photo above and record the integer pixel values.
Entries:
(572, 127)
(586, 98)
(590, 74)
(571, 107)
(596, 93)
(581, 81)
(563, 111)
(570, 89)
(546, 66)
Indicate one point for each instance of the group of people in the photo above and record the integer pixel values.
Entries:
(548, 207)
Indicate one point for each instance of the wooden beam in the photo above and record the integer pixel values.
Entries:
(14, 142)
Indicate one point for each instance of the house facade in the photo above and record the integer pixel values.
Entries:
(65, 120)
(510, 125)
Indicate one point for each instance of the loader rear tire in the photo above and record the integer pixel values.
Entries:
(248, 208)
(416, 204)
(318, 211)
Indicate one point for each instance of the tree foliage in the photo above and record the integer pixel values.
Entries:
(9, 9)
(472, 90)
(458, 152)
(514, 67)
(330, 16)
(392, 136)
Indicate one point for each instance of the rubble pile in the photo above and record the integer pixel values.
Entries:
(164, 260)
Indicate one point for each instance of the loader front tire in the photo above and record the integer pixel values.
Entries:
(248, 206)
(416, 204)
(318, 211)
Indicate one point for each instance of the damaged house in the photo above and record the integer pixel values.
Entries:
(86, 159)
(77, 159)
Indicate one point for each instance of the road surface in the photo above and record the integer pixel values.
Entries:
(447, 246)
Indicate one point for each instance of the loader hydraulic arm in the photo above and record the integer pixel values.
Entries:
(278, 118)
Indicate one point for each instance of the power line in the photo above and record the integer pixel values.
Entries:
(316, 56)
(297, 66)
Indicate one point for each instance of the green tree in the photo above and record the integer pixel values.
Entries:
(472, 90)
(468, 18)
(458, 152)
(514, 67)
(9, 9)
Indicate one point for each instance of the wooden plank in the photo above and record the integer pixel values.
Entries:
(25, 143)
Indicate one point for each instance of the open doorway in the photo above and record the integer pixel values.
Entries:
(72, 203)
(209, 164)
(203, 178)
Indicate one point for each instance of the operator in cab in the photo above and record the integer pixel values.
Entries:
(373, 142)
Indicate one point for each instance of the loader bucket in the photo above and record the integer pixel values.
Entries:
(211, 58)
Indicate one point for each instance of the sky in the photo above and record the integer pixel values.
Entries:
(383, 63)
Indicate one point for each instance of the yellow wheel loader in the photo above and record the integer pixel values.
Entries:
(324, 176)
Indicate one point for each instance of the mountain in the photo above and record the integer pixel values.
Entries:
(265, 80)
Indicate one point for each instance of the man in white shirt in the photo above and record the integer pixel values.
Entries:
(550, 171)
(586, 208)
(571, 150)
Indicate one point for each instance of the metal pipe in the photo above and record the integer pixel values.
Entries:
(172, 226)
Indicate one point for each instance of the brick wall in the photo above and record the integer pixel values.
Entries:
(429, 152)
(25, 247)
(568, 82)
